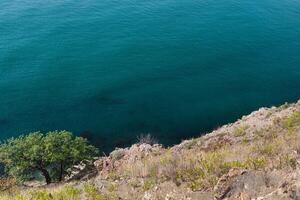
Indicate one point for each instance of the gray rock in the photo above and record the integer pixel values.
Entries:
(83, 171)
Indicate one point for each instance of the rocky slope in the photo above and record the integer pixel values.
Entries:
(256, 157)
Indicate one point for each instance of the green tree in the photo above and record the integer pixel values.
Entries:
(50, 154)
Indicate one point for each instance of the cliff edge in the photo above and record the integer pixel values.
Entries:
(257, 157)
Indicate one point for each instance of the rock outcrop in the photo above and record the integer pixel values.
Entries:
(83, 171)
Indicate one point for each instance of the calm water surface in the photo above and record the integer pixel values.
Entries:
(110, 70)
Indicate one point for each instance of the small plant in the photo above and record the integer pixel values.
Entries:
(152, 169)
(201, 171)
(196, 184)
(287, 161)
(112, 187)
(245, 141)
(135, 184)
(68, 193)
(190, 144)
(292, 122)
(15, 196)
(40, 195)
(240, 131)
(256, 163)
(18, 197)
(148, 184)
(232, 164)
(284, 106)
(146, 139)
(92, 193)
(265, 149)
(113, 175)
(267, 134)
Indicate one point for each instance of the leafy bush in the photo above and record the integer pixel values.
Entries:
(50, 154)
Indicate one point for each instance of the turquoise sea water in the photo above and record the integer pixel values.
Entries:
(110, 70)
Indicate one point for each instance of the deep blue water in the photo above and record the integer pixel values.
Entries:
(110, 70)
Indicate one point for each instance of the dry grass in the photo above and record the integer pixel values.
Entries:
(273, 147)
(64, 193)
(85, 191)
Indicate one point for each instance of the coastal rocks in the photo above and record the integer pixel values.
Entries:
(224, 185)
(170, 191)
(251, 183)
(139, 151)
(289, 187)
(119, 157)
(245, 129)
(151, 172)
(214, 143)
(258, 185)
(83, 171)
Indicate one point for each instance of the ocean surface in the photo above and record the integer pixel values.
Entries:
(110, 70)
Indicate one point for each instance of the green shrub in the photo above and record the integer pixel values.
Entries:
(50, 154)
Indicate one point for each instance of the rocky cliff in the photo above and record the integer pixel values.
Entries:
(257, 157)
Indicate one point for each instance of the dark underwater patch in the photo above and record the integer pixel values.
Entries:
(4, 121)
(108, 100)
(122, 142)
(95, 139)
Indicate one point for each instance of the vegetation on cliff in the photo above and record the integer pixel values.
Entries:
(256, 157)
(49, 154)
